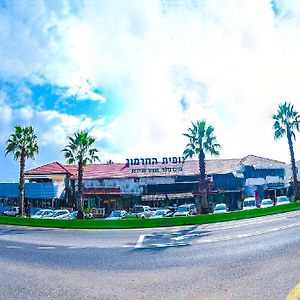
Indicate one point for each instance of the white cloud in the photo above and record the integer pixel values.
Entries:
(168, 62)
(232, 63)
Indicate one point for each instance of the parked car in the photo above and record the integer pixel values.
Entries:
(73, 216)
(186, 210)
(249, 203)
(70, 216)
(142, 212)
(42, 213)
(266, 203)
(282, 200)
(117, 215)
(162, 213)
(13, 211)
(4, 208)
(220, 208)
(57, 214)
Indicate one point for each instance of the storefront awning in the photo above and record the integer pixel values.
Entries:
(174, 196)
(180, 196)
(153, 197)
(102, 191)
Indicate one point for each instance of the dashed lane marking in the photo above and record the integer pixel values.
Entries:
(294, 294)
(45, 248)
(139, 244)
(14, 247)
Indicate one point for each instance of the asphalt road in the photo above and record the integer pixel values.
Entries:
(248, 259)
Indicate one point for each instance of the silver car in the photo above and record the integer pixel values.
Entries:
(117, 215)
(186, 210)
(42, 213)
(220, 208)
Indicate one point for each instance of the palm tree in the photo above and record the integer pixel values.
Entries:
(22, 144)
(80, 151)
(201, 141)
(286, 122)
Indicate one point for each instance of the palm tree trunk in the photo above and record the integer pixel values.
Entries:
(22, 184)
(202, 183)
(80, 196)
(294, 169)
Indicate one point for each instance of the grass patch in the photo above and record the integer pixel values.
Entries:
(149, 223)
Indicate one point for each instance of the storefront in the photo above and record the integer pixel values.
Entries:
(163, 182)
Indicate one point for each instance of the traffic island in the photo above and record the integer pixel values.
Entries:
(148, 222)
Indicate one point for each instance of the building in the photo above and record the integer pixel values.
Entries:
(38, 194)
(166, 182)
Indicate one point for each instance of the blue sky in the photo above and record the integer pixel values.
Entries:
(136, 73)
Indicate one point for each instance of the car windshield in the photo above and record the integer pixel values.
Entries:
(160, 212)
(267, 202)
(220, 207)
(59, 213)
(183, 208)
(115, 214)
(138, 209)
(39, 213)
(249, 203)
(47, 213)
(282, 199)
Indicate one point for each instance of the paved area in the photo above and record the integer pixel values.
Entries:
(247, 259)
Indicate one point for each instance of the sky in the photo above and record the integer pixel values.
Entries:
(134, 74)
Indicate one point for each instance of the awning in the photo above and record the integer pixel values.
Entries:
(180, 196)
(174, 196)
(153, 197)
(102, 191)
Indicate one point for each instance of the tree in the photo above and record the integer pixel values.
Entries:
(201, 141)
(109, 162)
(286, 122)
(80, 151)
(22, 144)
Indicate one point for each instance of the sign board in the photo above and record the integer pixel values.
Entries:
(154, 161)
(157, 170)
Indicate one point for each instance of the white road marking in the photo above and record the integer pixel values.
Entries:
(212, 240)
(14, 247)
(140, 241)
(186, 236)
(220, 227)
(45, 248)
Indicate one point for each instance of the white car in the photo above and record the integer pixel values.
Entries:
(13, 211)
(266, 203)
(42, 213)
(220, 208)
(282, 200)
(186, 210)
(117, 215)
(162, 213)
(142, 212)
(70, 216)
(249, 203)
(57, 214)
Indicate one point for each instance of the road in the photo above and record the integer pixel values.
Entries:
(248, 259)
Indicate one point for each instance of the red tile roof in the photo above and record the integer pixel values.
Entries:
(51, 168)
(120, 170)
